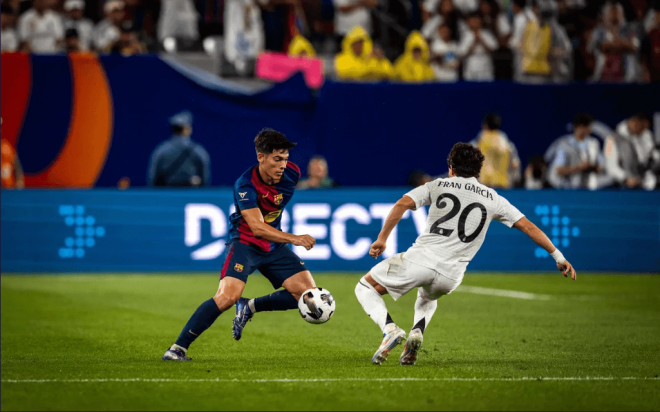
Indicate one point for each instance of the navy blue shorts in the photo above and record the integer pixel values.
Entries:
(277, 266)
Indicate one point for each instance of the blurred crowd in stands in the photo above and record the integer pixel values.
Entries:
(534, 41)
(626, 157)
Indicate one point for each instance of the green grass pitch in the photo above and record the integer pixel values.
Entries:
(92, 342)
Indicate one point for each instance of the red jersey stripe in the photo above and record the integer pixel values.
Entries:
(226, 265)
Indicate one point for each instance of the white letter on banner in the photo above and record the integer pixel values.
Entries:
(380, 211)
(301, 213)
(286, 221)
(194, 213)
(338, 232)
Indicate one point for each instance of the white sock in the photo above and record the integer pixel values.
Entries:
(424, 309)
(175, 347)
(251, 306)
(372, 303)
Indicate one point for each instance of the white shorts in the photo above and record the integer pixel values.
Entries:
(399, 276)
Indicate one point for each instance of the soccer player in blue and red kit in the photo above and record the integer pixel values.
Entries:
(256, 243)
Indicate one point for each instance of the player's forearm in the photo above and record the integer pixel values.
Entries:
(536, 234)
(269, 233)
(392, 220)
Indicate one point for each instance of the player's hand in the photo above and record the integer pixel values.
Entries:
(585, 166)
(633, 182)
(377, 248)
(305, 241)
(567, 269)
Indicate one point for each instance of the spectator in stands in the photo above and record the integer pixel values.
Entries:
(475, 48)
(650, 51)
(178, 19)
(495, 21)
(418, 177)
(413, 65)
(653, 11)
(544, 44)
(75, 20)
(466, 6)
(301, 47)
(630, 154)
(578, 159)
(360, 60)
(444, 56)
(501, 168)
(128, 43)
(352, 13)
(179, 161)
(438, 13)
(498, 23)
(317, 175)
(12, 174)
(40, 29)
(584, 58)
(244, 33)
(521, 16)
(108, 31)
(616, 47)
(71, 41)
(536, 174)
(8, 36)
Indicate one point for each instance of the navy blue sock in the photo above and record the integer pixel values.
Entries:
(201, 320)
(280, 300)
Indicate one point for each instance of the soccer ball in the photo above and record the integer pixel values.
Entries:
(316, 305)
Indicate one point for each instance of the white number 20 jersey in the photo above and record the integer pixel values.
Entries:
(459, 216)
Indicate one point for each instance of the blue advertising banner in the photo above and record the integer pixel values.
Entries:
(186, 230)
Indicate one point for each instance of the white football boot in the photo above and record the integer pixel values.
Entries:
(414, 342)
(393, 336)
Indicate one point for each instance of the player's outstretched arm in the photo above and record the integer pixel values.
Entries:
(263, 230)
(540, 238)
(393, 218)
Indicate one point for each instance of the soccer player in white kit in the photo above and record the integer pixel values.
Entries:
(461, 211)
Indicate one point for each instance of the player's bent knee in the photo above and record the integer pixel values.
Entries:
(371, 282)
(225, 300)
(299, 283)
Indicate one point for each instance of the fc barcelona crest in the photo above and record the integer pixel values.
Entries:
(278, 198)
(238, 267)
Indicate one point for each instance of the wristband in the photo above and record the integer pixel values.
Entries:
(558, 256)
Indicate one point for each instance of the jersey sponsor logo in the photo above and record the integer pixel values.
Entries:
(238, 267)
(242, 195)
(270, 218)
(278, 198)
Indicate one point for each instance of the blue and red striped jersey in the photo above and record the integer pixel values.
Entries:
(250, 191)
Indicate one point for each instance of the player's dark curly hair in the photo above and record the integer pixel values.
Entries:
(466, 160)
(269, 140)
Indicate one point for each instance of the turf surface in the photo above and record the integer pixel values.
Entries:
(95, 342)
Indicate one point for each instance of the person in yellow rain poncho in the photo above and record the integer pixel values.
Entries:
(501, 168)
(301, 47)
(413, 65)
(359, 60)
